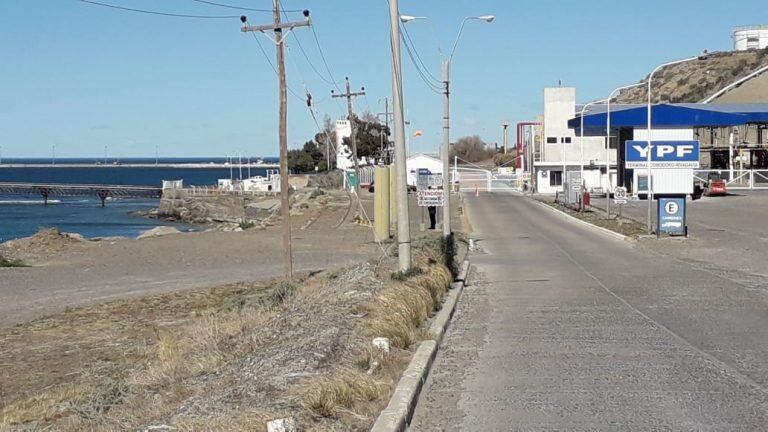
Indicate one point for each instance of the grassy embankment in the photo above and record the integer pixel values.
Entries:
(226, 358)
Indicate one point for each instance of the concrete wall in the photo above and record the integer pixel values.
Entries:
(559, 107)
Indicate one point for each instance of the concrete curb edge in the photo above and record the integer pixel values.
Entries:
(397, 415)
(599, 229)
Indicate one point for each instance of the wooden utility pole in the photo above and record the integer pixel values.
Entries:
(285, 210)
(352, 119)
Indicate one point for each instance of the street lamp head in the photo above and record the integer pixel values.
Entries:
(487, 18)
(409, 18)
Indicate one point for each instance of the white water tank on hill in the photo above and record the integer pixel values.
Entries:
(750, 37)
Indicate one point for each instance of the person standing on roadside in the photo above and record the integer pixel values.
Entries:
(432, 210)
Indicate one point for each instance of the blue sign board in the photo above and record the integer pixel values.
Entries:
(671, 216)
(664, 154)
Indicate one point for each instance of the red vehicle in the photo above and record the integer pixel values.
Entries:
(715, 185)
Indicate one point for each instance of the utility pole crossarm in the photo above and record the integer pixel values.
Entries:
(280, 26)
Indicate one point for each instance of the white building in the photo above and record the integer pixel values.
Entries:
(422, 160)
(750, 37)
(561, 147)
(270, 183)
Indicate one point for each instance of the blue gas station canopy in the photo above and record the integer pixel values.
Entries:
(687, 115)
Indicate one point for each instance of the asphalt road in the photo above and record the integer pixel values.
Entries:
(567, 329)
(723, 231)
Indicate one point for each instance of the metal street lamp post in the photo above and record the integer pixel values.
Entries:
(649, 180)
(446, 145)
(581, 134)
(608, 144)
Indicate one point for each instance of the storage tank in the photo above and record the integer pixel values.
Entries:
(750, 37)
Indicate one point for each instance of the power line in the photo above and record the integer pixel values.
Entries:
(325, 62)
(413, 45)
(266, 57)
(424, 78)
(228, 6)
(150, 12)
(304, 53)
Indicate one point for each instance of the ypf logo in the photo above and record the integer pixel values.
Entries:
(671, 208)
(663, 150)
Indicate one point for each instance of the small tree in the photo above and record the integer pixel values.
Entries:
(471, 149)
(371, 137)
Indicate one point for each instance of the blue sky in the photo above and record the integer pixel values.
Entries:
(81, 77)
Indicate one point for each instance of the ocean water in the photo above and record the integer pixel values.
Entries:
(24, 215)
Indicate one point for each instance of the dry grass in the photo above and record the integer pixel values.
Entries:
(344, 392)
(213, 359)
(115, 365)
(397, 313)
(203, 346)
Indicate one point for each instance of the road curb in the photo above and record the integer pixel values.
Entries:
(599, 229)
(398, 413)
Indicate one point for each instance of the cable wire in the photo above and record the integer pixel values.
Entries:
(266, 57)
(325, 62)
(304, 53)
(430, 85)
(228, 6)
(413, 45)
(150, 12)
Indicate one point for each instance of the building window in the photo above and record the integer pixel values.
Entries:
(565, 140)
(555, 178)
(551, 140)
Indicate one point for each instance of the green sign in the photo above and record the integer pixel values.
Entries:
(351, 178)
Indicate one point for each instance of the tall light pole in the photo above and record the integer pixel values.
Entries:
(608, 144)
(403, 220)
(649, 180)
(581, 133)
(446, 145)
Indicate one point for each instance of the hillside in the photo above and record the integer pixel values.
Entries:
(696, 80)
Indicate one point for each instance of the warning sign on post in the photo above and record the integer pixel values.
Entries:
(430, 197)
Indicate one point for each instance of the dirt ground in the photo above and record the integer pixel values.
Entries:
(625, 226)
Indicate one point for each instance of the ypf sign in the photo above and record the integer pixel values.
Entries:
(664, 154)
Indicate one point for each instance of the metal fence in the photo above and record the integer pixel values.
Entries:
(737, 179)
(477, 179)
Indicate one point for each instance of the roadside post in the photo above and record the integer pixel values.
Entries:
(422, 181)
(393, 197)
(619, 198)
(381, 203)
